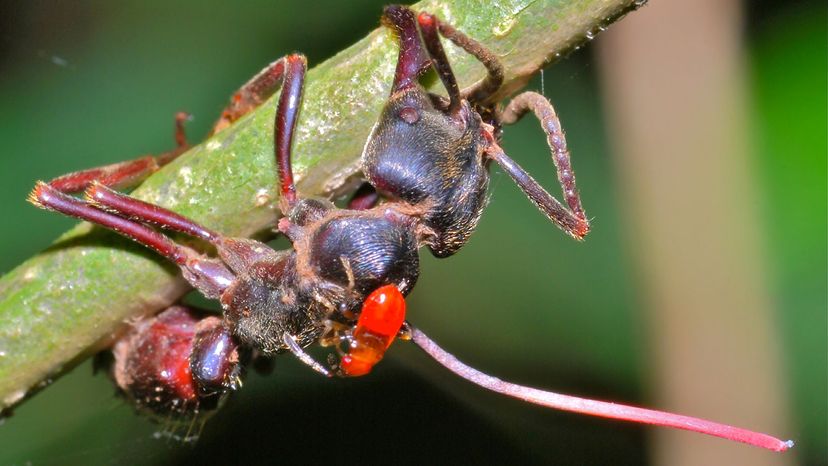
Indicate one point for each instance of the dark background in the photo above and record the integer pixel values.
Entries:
(88, 83)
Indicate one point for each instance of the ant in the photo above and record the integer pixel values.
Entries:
(344, 282)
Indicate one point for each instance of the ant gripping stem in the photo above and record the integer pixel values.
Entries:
(411, 62)
(127, 174)
(47, 197)
(594, 407)
(286, 116)
(483, 90)
(98, 195)
(428, 28)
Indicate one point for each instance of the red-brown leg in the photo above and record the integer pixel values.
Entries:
(412, 61)
(210, 276)
(573, 220)
(287, 113)
(237, 253)
(252, 94)
(480, 92)
(124, 175)
(136, 210)
(364, 198)
(428, 27)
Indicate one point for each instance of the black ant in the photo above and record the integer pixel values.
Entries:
(344, 281)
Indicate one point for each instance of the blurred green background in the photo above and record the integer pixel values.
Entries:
(88, 83)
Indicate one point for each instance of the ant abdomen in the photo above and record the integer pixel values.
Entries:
(214, 361)
(153, 363)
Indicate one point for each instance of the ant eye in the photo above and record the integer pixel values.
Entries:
(410, 115)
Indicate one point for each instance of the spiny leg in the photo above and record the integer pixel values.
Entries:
(252, 94)
(411, 61)
(134, 209)
(573, 220)
(46, 197)
(210, 276)
(124, 175)
(483, 90)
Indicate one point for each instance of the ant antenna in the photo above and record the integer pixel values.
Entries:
(594, 407)
(300, 354)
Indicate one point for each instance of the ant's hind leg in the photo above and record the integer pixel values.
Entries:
(237, 253)
(210, 276)
(253, 93)
(124, 175)
(573, 219)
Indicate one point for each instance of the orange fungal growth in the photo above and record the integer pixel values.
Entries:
(379, 322)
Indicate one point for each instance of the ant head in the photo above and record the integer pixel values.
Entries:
(416, 145)
(421, 153)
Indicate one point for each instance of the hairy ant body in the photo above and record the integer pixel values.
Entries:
(345, 279)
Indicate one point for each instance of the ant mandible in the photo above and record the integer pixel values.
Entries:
(428, 156)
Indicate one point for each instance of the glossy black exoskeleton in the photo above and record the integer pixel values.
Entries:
(427, 156)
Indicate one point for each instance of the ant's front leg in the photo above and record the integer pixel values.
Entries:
(124, 175)
(572, 220)
(412, 60)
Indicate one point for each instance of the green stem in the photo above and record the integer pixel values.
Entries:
(69, 301)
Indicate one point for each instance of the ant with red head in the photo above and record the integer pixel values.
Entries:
(343, 283)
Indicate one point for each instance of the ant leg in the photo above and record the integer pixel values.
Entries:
(103, 198)
(428, 28)
(287, 113)
(127, 174)
(210, 276)
(365, 197)
(238, 253)
(252, 94)
(479, 92)
(573, 220)
(300, 354)
(411, 62)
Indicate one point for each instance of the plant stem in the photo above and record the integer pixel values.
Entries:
(72, 299)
